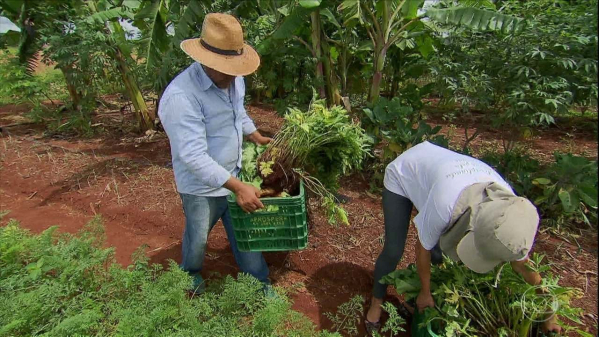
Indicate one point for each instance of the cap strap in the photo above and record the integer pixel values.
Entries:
(221, 51)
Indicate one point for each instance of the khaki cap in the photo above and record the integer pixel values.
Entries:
(493, 226)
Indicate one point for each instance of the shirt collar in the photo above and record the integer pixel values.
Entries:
(203, 79)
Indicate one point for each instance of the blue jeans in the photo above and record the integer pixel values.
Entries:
(201, 214)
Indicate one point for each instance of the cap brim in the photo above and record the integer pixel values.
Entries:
(471, 257)
(234, 65)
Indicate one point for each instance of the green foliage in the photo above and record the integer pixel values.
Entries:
(395, 322)
(493, 304)
(348, 316)
(565, 191)
(569, 190)
(524, 78)
(320, 146)
(21, 87)
(398, 126)
(62, 285)
(323, 142)
(476, 19)
(516, 167)
(249, 170)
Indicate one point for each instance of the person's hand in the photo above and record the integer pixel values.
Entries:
(248, 198)
(257, 138)
(551, 325)
(424, 300)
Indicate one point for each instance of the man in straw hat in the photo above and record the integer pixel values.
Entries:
(465, 209)
(203, 115)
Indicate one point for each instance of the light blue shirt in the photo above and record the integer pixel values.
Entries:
(205, 127)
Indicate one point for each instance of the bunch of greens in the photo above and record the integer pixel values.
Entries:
(323, 142)
(62, 285)
(568, 189)
(319, 146)
(249, 168)
(492, 304)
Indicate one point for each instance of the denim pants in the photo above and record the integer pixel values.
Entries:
(201, 214)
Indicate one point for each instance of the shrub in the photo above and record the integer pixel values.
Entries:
(62, 285)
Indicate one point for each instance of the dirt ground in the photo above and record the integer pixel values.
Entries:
(128, 179)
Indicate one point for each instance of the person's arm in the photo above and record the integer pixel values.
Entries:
(248, 196)
(423, 265)
(186, 130)
(533, 278)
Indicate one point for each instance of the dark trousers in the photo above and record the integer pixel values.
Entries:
(397, 211)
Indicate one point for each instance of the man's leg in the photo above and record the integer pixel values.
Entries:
(397, 211)
(200, 216)
(252, 263)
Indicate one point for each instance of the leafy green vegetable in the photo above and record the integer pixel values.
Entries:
(63, 285)
(492, 304)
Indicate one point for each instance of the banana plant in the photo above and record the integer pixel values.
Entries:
(316, 13)
(107, 17)
(398, 22)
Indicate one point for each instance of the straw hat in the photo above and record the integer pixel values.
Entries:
(221, 46)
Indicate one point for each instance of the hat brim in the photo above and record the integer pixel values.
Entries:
(471, 257)
(234, 65)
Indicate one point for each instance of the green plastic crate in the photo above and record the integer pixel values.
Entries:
(282, 229)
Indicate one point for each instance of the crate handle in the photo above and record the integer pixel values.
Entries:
(265, 212)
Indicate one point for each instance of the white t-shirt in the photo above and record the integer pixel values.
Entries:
(433, 177)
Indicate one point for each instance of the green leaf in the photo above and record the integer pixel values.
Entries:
(351, 11)
(476, 19)
(330, 17)
(478, 4)
(566, 199)
(541, 181)
(410, 9)
(109, 15)
(309, 3)
(588, 194)
(334, 53)
(295, 20)
(426, 47)
(152, 19)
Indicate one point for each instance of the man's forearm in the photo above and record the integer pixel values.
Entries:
(423, 265)
(233, 184)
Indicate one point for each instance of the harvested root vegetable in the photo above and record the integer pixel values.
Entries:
(318, 146)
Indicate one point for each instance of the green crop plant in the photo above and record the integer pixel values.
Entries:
(319, 146)
(499, 303)
(55, 284)
(568, 190)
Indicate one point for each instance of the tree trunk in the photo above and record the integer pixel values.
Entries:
(332, 88)
(379, 63)
(145, 118)
(75, 95)
(316, 46)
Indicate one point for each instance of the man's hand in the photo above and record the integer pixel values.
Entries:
(257, 138)
(551, 325)
(248, 196)
(424, 300)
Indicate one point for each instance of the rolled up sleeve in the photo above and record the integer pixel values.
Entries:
(247, 124)
(186, 131)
